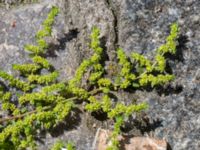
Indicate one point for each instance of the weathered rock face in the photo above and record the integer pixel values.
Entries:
(134, 143)
(140, 26)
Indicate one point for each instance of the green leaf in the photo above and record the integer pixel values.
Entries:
(135, 85)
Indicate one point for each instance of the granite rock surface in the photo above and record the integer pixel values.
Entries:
(136, 26)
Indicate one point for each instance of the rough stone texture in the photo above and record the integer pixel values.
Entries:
(130, 143)
(145, 143)
(140, 26)
(143, 26)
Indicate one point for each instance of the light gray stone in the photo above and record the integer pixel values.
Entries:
(139, 26)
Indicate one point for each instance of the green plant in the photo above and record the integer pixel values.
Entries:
(43, 101)
(60, 144)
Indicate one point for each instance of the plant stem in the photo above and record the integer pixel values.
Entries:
(44, 108)
(154, 64)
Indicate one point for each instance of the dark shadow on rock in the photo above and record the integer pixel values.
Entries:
(51, 52)
(122, 143)
(143, 125)
(150, 126)
(147, 88)
(167, 90)
(182, 40)
(40, 139)
(3, 86)
(71, 122)
(100, 115)
(169, 147)
(52, 68)
(168, 68)
(105, 56)
(113, 97)
(133, 90)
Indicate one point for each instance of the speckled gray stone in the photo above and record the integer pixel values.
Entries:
(140, 26)
(143, 25)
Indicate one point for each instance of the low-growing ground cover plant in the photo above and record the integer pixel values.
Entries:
(36, 101)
